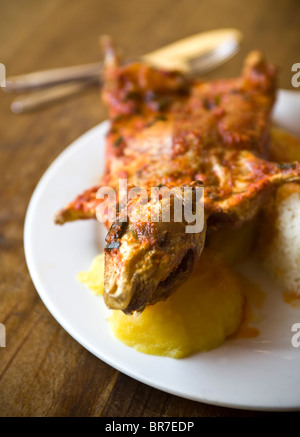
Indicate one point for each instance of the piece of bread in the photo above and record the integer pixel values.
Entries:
(278, 245)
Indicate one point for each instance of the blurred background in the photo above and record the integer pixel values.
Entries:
(38, 35)
(59, 32)
(44, 371)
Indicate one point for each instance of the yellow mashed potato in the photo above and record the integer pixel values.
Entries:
(94, 277)
(197, 317)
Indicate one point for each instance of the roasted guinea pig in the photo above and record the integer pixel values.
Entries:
(170, 130)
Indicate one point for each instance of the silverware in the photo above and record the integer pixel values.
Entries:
(40, 79)
(36, 99)
(194, 55)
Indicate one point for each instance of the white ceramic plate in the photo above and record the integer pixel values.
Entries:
(262, 373)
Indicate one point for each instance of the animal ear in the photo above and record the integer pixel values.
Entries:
(258, 73)
(112, 55)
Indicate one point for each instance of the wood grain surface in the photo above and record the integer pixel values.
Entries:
(43, 370)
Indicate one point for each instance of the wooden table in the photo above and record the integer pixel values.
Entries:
(43, 370)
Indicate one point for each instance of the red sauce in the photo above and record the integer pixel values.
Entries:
(291, 299)
(245, 330)
(255, 297)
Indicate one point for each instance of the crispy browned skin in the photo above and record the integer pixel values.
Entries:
(169, 130)
(146, 260)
